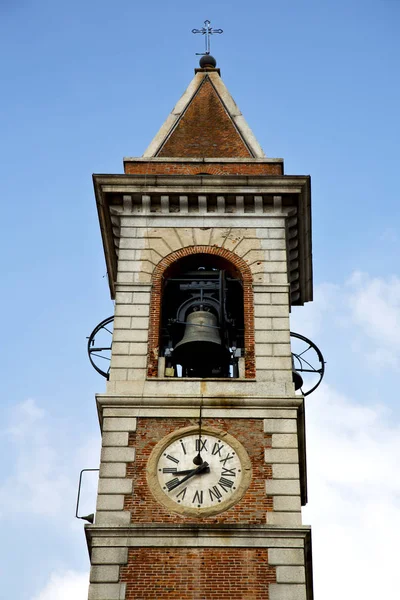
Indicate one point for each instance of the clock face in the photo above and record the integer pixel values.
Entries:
(216, 481)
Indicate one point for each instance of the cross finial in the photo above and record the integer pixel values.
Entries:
(207, 30)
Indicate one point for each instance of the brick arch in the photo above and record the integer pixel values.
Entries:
(241, 268)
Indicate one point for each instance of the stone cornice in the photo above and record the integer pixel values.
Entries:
(195, 400)
(195, 530)
(290, 198)
(133, 159)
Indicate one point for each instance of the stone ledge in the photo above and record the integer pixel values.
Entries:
(256, 535)
(188, 405)
(195, 399)
(160, 159)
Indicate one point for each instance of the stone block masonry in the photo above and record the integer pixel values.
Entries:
(283, 458)
(137, 323)
(115, 454)
(147, 253)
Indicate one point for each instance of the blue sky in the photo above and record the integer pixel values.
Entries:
(86, 83)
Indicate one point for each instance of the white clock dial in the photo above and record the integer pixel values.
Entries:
(210, 485)
(207, 486)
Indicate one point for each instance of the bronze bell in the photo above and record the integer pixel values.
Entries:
(201, 347)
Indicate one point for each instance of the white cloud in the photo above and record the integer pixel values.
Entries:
(375, 307)
(45, 469)
(364, 311)
(37, 484)
(354, 496)
(26, 415)
(353, 446)
(66, 585)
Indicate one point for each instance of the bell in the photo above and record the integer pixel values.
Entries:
(297, 380)
(201, 348)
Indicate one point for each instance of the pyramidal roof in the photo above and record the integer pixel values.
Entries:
(205, 123)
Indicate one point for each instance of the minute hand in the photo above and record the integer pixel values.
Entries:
(194, 472)
(190, 471)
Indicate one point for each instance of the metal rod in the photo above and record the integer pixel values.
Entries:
(79, 490)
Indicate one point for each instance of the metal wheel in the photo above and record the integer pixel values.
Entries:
(99, 346)
(307, 361)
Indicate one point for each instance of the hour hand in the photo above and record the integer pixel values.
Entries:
(199, 469)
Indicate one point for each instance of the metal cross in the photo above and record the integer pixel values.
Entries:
(207, 30)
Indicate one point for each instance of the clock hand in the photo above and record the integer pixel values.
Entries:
(199, 469)
(207, 470)
(198, 459)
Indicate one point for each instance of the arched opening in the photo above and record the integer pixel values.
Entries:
(201, 319)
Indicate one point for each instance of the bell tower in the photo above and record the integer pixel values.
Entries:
(203, 461)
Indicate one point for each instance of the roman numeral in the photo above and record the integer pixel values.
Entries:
(217, 449)
(175, 460)
(228, 472)
(183, 448)
(214, 493)
(201, 445)
(227, 457)
(226, 484)
(182, 493)
(198, 497)
(169, 470)
(171, 483)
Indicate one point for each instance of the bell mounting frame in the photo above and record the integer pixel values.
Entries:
(103, 350)
(312, 367)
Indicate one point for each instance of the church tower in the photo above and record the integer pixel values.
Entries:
(203, 461)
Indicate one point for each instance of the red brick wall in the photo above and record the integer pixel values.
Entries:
(161, 272)
(189, 168)
(250, 509)
(198, 573)
(205, 130)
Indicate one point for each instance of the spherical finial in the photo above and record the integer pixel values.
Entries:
(207, 61)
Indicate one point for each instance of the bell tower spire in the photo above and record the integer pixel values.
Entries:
(203, 463)
(205, 123)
